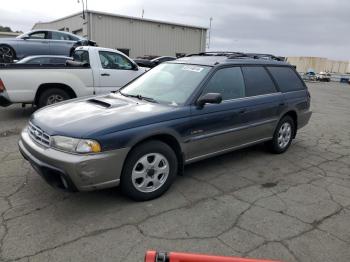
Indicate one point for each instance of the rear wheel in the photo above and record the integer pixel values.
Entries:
(7, 54)
(149, 171)
(52, 96)
(283, 135)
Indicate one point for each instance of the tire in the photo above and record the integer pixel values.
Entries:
(149, 171)
(7, 54)
(283, 136)
(52, 96)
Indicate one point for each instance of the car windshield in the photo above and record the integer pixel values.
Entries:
(167, 83)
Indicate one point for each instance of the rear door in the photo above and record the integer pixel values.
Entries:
(115, 71)
(294, 91)
(264, 103)
(61, 43)
(217, 127)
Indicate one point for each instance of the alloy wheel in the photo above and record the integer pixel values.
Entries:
(150, 172)
(284, 135)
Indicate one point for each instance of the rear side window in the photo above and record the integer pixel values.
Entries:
(81, 56)
(228, 82)
(257, 81)
(286, 79)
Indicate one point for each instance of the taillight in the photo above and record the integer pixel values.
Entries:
(2, 86)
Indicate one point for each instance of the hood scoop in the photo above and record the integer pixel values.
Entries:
(99, 102)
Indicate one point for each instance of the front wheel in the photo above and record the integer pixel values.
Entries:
(149, 171)
(283, 135)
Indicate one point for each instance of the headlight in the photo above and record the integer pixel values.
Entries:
(75, 145)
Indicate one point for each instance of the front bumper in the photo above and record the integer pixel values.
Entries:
(4, 99)
(74, 172)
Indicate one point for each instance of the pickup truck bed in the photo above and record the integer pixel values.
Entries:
(46, 84)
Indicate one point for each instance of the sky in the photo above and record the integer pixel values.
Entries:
(281, 27)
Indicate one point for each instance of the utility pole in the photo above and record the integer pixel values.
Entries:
(209, 35)
(82, 1)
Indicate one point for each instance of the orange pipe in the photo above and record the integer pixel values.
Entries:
(153, 256)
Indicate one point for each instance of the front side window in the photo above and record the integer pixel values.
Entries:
(81, 56)
(37, 35)
(228, 82)
(110, 60)
(168, 83)
(258, 81)
(286, 78)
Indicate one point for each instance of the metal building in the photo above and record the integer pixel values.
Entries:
(131, 35)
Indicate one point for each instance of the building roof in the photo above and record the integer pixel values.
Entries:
(124, 16)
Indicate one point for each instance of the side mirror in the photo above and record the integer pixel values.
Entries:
(25, 37)
(209, 98)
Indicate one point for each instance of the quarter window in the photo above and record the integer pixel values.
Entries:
(257, 81)
(228, 82)
(111, 60)
(286, 79)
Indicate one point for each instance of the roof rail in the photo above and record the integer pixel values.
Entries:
(239, 55)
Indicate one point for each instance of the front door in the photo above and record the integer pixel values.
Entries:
(61, 43)
(218, 127)
(37, 43)
(116, 71)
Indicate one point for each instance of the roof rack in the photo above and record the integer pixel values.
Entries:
(239, 55)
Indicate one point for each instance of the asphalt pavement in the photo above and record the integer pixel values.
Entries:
(292, 207)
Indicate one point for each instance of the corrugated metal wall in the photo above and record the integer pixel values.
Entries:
(145, 37)
(141, 37)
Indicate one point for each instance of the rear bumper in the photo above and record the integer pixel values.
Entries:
(73, 172)
(4, 99)
(304, 118)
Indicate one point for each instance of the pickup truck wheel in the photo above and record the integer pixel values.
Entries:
(149, 171)
(283, 135)
(52, 96)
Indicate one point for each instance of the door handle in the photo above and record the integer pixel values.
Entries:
(242, 111)
(282, 104)
(105, 74)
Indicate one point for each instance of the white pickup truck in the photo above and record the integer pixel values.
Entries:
(94, 70)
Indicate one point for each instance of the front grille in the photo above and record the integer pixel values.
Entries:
(38, 135)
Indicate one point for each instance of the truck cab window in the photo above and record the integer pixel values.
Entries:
(110, 60)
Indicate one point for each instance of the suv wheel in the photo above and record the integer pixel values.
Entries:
(283, 135)
(52, 96)
(149, 171)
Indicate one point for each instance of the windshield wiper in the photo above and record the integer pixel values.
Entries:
(140, 97)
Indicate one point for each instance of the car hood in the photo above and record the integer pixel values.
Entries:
(100, 115)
